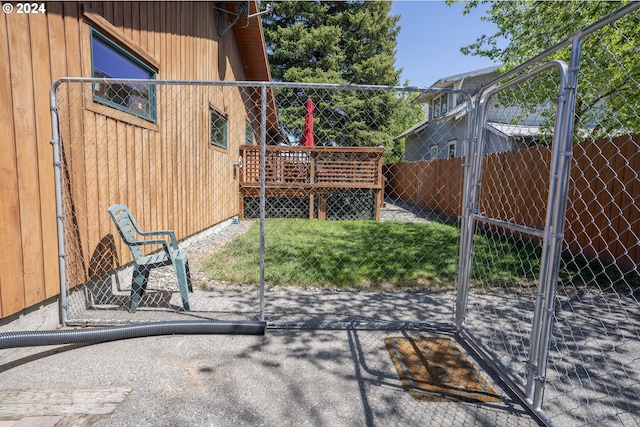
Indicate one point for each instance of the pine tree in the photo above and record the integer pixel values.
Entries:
(342, 43)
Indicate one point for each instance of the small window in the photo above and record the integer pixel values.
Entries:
(452, 149)
(250, 134)
(217, 128)
(434, 152)
(109, 60)
(440, 105)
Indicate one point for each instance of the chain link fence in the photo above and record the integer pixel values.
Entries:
(333, 206)
(594, 345)
(167, 151)
(295, 177)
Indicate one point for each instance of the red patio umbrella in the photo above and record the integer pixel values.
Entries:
(307, 135)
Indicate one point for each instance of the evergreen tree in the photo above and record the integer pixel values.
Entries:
(342, 43)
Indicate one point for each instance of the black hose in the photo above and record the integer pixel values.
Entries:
(105, 334)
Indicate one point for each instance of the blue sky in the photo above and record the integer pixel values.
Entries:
(430, 39)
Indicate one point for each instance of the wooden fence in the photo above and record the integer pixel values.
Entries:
(603, 220)
(433, 184)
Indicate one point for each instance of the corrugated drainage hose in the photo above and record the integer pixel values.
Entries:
(104, 334)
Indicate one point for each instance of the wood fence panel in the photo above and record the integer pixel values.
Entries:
(426, 190)
(615, 153)
(593, 213)
(633, 214)
(491, 187)
(574, 232)
(451, 186)
(603, 199)
(416, 183)
(613, 218)
(530, 186)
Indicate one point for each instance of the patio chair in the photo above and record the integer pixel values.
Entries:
(143, 264)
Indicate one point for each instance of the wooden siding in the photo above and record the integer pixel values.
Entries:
(180, 39)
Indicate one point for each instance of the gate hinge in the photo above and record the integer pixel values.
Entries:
(540, 378)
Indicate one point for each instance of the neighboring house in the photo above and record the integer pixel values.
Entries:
(157, 40)
(442, 132)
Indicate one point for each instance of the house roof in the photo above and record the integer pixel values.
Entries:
(252, 44)
(447, 82)
(250, 37)
(414, 129)
(457, 112)
(506, 129)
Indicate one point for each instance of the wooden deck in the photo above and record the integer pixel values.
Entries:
(311, 172)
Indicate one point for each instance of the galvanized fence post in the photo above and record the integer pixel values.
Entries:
(263, 179)
(556, 214)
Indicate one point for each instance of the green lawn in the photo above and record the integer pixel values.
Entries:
(342, 254)
(384, 255)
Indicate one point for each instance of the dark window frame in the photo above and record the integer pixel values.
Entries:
(221, 131)
(99, 92)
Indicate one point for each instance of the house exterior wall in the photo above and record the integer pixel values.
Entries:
(445, 129)
(180, 40)
(436, 133)
(418, 145)
(472, 84)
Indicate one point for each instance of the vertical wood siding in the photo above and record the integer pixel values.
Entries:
(106, 154)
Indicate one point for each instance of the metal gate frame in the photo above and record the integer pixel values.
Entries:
(530, 389)
(551, 235)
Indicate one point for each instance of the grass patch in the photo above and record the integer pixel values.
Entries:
(393, 255)
(342, 254)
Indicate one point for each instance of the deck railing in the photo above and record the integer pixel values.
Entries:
(297, 172)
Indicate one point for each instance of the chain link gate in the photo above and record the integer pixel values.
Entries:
(510, 247)
(168, 151)
(554, 308)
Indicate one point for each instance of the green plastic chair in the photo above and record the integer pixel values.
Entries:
(143, 264)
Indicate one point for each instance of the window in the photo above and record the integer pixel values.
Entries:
(217, 128)
(452, 149)
(250, 134)
(434, 152)
(110, 60)
(440, 105)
